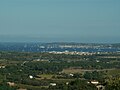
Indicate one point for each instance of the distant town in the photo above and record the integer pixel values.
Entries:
(60, 47)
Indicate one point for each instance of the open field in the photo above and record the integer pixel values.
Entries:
(45, 76)
(114, 72)
(30, 87)
(82, 71)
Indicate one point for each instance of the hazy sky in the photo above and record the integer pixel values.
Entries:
(60, 20)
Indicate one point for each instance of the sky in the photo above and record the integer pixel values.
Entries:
(85, 21)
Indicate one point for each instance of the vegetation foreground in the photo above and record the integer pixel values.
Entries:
(48, 71)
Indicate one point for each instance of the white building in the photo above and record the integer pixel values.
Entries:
(31, 77)
(53, 84)
(95, 82)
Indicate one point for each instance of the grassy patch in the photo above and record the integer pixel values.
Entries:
(113, 72)
(30, 87)
(45, 76)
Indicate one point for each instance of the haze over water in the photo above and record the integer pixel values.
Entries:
(86, 21)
